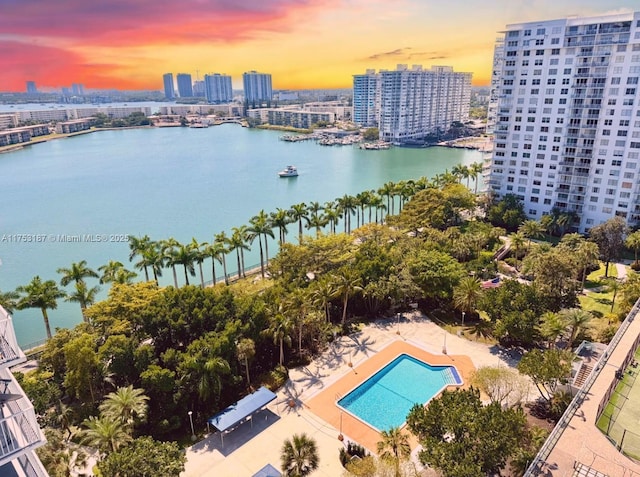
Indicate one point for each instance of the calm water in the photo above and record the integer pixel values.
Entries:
(169, 182)
(384, 400)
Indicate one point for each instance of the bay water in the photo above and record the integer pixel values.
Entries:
(79, 198)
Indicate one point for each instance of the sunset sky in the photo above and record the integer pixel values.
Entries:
(129, 44)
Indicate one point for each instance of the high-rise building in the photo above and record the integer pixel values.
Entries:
(366, 98)
(20, 434)
(407, 105)
(77, 89)
(31, 87)
(567, 118)
(218, 88)
(185, 86)
(257, 87)
(169, 90)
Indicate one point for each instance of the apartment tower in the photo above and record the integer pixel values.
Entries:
(185, 85)
(257, 87)
(567, 120)
(218, 88)
(169, 90)
(410, 104)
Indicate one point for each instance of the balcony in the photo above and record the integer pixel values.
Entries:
(10, 352)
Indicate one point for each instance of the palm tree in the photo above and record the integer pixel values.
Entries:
(259, 226)
(84, 295)
(633, 241)
(314, 208)
(221, 241)
(613, 285)
(517, 241)
(39, 294)
(531, 229)
(552, 325)
(393, 447)
(298, 213)
(153, 258)
(168, 249)
(9, 300)
(332, 215)
(105, 433)
(317, 222)
(126, 404)
(466, 294)
(475, 170)
(199, 255)
(575, 320)
(215, 251)
(238, 242)
(299, 456)
(348, 206)
(184, 255)
(280, 219)
(346, 282)
(280, 327)
(361, 200)
(321, 292)
(207, 372)
(387, 190)
(460, 172)
(246, 350)
(110, 271)
(137, 247)
(586, 255)
(76, 273)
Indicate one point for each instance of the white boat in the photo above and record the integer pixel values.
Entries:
(290, 171)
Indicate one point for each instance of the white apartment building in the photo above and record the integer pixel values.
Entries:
(20, 434)
(567, 118)
(409, 104)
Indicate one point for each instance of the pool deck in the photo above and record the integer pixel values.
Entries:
(324, 404)
(313, 390)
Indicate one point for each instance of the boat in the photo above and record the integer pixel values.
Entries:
(289, 171)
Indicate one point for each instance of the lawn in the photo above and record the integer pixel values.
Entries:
(594, 279)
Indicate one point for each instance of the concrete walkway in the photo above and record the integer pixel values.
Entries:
(251, 446)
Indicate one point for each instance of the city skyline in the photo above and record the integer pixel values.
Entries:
(303, 44)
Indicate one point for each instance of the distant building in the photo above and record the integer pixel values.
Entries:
(407, 105)
(567, 118)
(257, 87)
(31, 87)
(185, 86)
(77, 89)
(296, 118)
(167, 81)
(20, 433)
(218, 88)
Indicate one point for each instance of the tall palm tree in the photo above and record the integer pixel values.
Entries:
(105, 433)
(168, 250)
(475, 171)
(137, 247)
(199, 256)
(517, 241)
(466, 294)
(314, 209)
(299, 213)
(348, 206)
(388, 190)
(260, 225)
(42, 295)
(185, 256)
(321, 292)
(83, 295)
(152, 258)
(207, 372)
(110, 271)
(633, 241)
(280, 326)
(394, 447)
(377, 203)
(317, 222)
(586, 255)
(531, 229)
(215, 250)
(299, 456)
(613, 285)
(361, 201)
(221, 241)
(346, 282)
(246, 350)
(280, 219)
(77, 272)
(332, 215)
(238, 242)
(551, 327)
(576, 319)
(126, 404)
(9, 300)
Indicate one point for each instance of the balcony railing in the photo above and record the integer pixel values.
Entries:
(10, 352)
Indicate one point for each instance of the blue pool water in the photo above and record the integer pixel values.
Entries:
(384, 400)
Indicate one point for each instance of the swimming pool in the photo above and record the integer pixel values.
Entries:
(384, 400)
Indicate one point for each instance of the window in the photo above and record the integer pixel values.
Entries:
(555, 51)
(540, 31)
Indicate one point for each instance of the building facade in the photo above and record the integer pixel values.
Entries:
(185, 86)
(409, 104)
(20, 434)
(257, 87)
(567, 119)
(167, 81)
(218, 88)
(31, 87)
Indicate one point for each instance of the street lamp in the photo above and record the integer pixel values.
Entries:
(398, 330)
(340, 436)
(463, 318)
(193, 432)
(444, 346)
